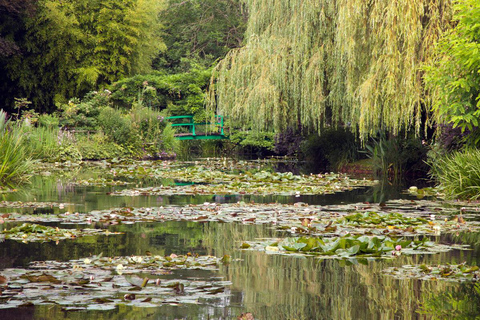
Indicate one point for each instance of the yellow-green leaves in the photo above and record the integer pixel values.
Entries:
(302, 59)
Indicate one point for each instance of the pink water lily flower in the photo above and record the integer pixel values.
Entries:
(398, 247)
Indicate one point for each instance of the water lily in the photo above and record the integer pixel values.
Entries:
(398, 247)
(137, 259)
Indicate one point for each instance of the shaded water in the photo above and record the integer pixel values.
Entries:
(269, 286)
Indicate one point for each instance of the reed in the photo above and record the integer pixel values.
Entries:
(459, 174)
(15, 163)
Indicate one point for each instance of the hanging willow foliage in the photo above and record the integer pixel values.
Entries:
(322, 62)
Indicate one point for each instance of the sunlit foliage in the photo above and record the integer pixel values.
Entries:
(318, 63)
(70, 47)
(454, 76)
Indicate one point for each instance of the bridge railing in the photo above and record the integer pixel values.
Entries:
(191, 125)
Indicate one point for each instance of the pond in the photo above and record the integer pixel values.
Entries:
(135, 241)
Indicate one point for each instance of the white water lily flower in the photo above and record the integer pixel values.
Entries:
(271, 248)
(137, 259)
(87, 261)
(120, 268)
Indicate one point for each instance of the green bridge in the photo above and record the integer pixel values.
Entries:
(192, 132)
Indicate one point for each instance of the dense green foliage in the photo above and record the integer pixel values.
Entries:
(396, 157)
(319, 62)
(104, 131)
(199, 32)
(15, 163)
(182, 93)
(68, 48)
(454, 76)
(459, 174)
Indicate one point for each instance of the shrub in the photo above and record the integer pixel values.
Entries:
(41, 142)
(459, 174)
(116, 126)
(97, 147)
(182, 93)
(48, 121)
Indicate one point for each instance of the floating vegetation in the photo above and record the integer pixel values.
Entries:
(260, 183)
(382, 219)
(101, 182)
(458, 273)
(426, 192)
(29, 232)
(349, 246)
(102, 283)
(398, 218)
(21, 204)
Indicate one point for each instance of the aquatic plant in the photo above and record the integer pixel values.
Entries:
(449, 272)
(15, 163)
(29, 232)
(459, 174)
(102, 283)
(349, 246)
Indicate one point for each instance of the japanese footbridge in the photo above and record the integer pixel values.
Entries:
(193, 131)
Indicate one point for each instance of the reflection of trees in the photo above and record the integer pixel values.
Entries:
(293, 287)
(470, 238)
(454, 304)
(158, 238)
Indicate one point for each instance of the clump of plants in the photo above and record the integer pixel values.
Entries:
(15, 162)
(330, 151)
(395, 157)
(459, 174)
(348, 246)
(102, 131)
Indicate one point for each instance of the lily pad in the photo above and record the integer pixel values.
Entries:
(97, 282)
(456, 273)
(349, 246)
(29, 232)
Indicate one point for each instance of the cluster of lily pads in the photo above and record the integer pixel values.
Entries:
(30, 204)
(405, 218)
(259, 183)
(348, 246)
(458, 273)
(28, 232)
(102, 283)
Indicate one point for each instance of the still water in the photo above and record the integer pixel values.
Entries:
(267, 286)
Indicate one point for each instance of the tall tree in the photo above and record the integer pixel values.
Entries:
(200, 30)
(12, 28)
(321, 62)
(454, 75)
(70, 47)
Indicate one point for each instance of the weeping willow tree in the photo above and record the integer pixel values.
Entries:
(312, 63)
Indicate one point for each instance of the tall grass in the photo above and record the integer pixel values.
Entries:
(459, 174)
(15, 163)
(41, 142)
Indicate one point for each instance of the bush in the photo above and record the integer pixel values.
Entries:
(253, 142)
(182, 93)
(48, 121)
(458, 174)
(116, 126)
(97, 147)
(83, 114)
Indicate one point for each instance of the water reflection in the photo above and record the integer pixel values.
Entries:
(269, 286)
